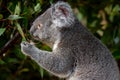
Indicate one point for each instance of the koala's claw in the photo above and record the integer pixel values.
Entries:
(26, 44)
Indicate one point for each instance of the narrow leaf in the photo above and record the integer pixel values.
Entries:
(2, 62)
(37, 8)
(17, 9)
(1, 16)
(2, 30)
(41, 72)
(20, 30)
(14, 17)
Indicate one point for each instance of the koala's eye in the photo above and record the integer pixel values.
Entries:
(53, 9)
(48, 23)
(54, 18)
(39, 26)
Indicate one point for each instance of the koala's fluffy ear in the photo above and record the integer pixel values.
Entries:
(64, 11)
(63, 8)
(62, 15)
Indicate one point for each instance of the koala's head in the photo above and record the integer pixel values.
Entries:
(46, 27)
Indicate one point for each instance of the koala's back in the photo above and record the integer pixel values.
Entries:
(93, 60)
(104, 69)
(96, 71)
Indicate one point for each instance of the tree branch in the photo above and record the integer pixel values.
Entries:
(9, 44)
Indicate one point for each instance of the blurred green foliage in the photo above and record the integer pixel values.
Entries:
(102, 17)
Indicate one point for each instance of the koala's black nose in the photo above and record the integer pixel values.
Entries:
(32, 30)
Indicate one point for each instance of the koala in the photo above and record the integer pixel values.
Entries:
(76, 54)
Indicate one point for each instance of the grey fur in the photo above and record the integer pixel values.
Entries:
(77, 54)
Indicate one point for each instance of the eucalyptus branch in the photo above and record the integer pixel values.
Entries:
(9, 44)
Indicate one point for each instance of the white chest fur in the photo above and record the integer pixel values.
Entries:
(55, 46)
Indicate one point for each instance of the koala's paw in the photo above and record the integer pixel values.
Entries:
(26, 48)
(26, 44)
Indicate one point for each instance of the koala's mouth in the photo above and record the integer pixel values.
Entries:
(36, 37)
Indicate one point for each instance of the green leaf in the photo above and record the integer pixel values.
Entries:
(2, 62)
(108, 9)
(20, 31)
(12, 60)
(116, 9)
(18, 53)
(116, 54)
(23, 70)
(17, 9)
(51, 1)
(2, 30)
(114, 12)
(41, 70)
(37, 8)
(14, 17)
(1, 16)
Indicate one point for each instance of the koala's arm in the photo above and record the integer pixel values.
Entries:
(54, 63)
